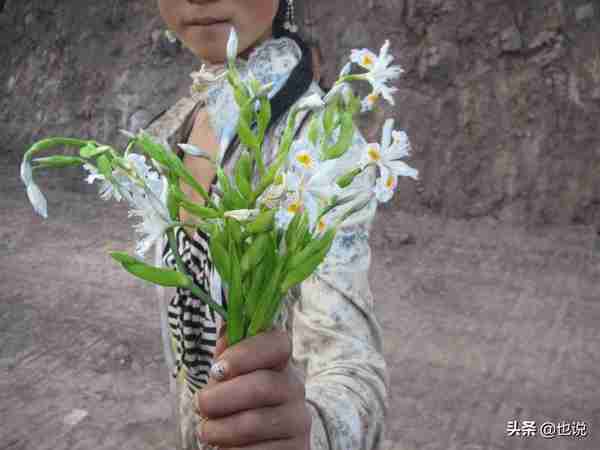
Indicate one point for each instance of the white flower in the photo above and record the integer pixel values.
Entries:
(379, 71)
(385, 185)
(36, 198)
(232, 46)
(370, 101)
(290, 207)
(107, 190)
(155, 216)
(313, 188)
(26, 172)
(387, 157)
(313, 101)
(304, 155)
(242, 214)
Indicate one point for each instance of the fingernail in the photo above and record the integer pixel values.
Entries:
(218, 370)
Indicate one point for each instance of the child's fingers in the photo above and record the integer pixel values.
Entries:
(221, 341)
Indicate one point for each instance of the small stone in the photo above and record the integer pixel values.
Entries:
(74, 417)
(11, 83)
(584, 12)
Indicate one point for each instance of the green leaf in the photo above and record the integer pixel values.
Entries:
(220, 259)
(305, 269)
(255, 253)
(263, 223)
(290, 233)
(347, 179)
(104, 166)
(263, 118)
(48, 143)
(241, 178)
(313, 247)
(247, 136)
(260, 318)
(235, 304)
(235, 229)
(345, 138)
(314, 130)
(59, 161)
(91, 151)
(156, 275)
(299, 233)
(172, 204)
(329, 118)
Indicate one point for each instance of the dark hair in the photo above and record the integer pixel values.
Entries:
(298, 82)
(302, 75)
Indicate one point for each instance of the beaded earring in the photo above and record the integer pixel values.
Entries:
(290, 23)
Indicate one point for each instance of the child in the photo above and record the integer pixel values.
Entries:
(320, 381)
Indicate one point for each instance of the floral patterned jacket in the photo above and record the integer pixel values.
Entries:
(337, 339)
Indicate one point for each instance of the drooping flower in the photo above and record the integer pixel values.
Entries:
(387, 156)
(36, 198)
(379, 71)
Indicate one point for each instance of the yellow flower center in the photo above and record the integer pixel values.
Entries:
(374, 153)
(321, 226)
(389, 182)
(372, 98)
(294, 207)
(305, 159)
(367, 61)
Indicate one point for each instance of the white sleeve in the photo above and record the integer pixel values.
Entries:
(337, 339)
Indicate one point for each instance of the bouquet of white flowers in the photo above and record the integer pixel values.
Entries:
(265, 236)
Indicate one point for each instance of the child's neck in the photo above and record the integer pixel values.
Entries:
(266, 35)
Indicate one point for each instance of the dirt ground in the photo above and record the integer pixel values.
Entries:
(484, 323)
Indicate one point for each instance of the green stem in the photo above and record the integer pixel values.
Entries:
(193, 288)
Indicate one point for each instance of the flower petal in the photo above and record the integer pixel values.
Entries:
(400, 168)
(313, 101)
(37, 199)
(386, 138)
(26, 172)
(232, 46)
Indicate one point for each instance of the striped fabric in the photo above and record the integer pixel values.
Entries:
(192, 323)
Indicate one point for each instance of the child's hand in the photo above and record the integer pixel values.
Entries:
(259, 401)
